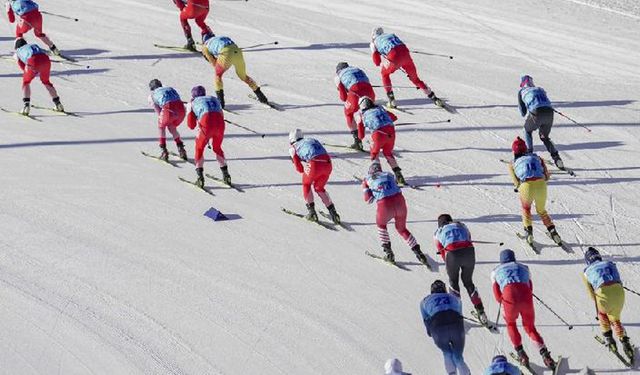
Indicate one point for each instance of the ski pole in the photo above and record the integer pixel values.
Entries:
(59, 15)
(260, 45)
(432, 54)
(499, 311)
(572, 120)
(632, 291)
(397, 87)
(244, 127)
(553, 312)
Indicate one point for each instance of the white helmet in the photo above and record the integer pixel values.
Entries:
(377, 32)
(295, 135)
(365, 103)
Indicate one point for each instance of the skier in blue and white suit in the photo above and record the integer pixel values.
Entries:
(442, 316)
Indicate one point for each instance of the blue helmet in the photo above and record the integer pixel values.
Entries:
(592, 255)
(499, 358)
(198, 91)
(438, 286)
(527, 81)
(207, 36)
(507, 255)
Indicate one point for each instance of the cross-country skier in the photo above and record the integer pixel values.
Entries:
(387, 49)
(453, 241)
(314, 163)
(393, 366)
(29, 17)
(442, 316)
(500, 366)
(171, 111)
(379, 121)
(534, 100)
(530, 175)
(222, 53)
(34, 61)
(205, 111)
(604, 285)
(513, 289)
(381, 187)
(352, 84)
(196, 10)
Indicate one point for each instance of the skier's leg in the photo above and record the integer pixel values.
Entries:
(43, 66)
(611, 302)
(185, 15)
(174, 134)
(539, 194)
(529, 323)
(530, 125)
(307, 181)
(320, 182)
(223, 63)
(410, 69)
(511, 313)
(201, 21)
(241, 70)
(384, 214)
(400, 219)
(449, 362)
(350, 108)
(452, 264)
(35, 20)
(387, 69)
(389, 137)
(468, 265)
(216, 144)
(201, 142)
(545, 120)
(525, 202)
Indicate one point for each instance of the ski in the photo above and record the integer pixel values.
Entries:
(375, 256)
(622, 359)
(344, 147)
(196, 186)
(178, 156)
(565, 169)
(169, 162)
(56, 111)
(65, 57)
(269, 103)
(396, 108)
(30, 117)
(488, 325)
(296, 214)
(559, 360)
(532, 245)
(442, 104)
(560, 244)
(176, 48)
(221, 181)
(523, 368)
(341, 224)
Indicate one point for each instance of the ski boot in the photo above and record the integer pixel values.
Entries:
(554, 235)
(482, 315)
(333, 214)
(226, 177)
(419, 254)
(392, 100)
(546, 357)
(261, 98)
(55, 50)
(388, 253)
(557, 161)
(529, 234)
(437, 101)
(27, 107)
(59, 107)
(523, 358)
(357, 143)
(627, 347)
(220, 95)
(200, 179)
(399, 177)
(191, 45)
(181, 151)
(610, 342)
(164, 154)
(312, 215)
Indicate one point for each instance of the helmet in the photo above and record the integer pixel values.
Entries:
(341, 65)
(377, 32)
(438, 286)
(207, 36)
(365, 102)
(519, 147)
(375, 167)
(499, 358)
(507, 256)
(444, 219)
(393, 366)
(295, 135)
(527, 81)
(198, 91)
(19, 43)
(154, 84)
(592, 255)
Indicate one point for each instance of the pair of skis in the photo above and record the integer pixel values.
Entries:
(529, 370)
(628, 362)
(534, 246)
(394, 263)
(210, 176)
(320, 223)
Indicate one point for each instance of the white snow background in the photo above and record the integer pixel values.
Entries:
(108, 266)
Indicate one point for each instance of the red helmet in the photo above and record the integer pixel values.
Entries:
(518, 146)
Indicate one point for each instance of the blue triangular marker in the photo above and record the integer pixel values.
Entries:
(216, 215)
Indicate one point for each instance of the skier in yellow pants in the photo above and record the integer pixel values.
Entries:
(530, 175)
(222, 53)
(604, 285)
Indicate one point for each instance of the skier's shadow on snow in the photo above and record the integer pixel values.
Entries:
(560, 104)
(62, 73)
(313, 46)
(84, 52)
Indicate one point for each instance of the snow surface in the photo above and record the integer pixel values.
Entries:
(108, 266)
